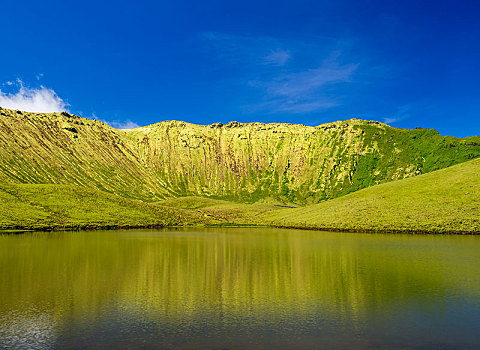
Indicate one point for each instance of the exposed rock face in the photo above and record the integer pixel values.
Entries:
(242, 162)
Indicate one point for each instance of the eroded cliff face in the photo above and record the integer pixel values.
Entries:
(242, 162)
(292, 163)
(66, 149)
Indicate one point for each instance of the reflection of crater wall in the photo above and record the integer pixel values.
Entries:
(238, 274)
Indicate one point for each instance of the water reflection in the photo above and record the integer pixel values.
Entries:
(238, 288)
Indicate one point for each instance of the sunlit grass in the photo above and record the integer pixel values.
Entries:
(446, 200)
(65, 206)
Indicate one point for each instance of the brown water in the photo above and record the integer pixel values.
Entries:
(238, 288)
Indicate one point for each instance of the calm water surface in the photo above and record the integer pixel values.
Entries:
(238, 289)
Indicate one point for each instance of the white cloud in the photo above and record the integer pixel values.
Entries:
(42, 100)
(128, 124)
(388, 120)
(117, 124)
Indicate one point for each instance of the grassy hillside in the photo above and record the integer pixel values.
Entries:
(59, 170)
(446, 200)
(228, 213)
(37, 207)
(237, 162)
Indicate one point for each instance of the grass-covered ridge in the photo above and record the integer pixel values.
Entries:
(62, 171)
(245, 163)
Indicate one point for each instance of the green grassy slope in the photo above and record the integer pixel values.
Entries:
(37, 207)
(236, 162)
(446, 200)
(225, 212)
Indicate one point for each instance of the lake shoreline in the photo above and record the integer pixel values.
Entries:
(92, 227)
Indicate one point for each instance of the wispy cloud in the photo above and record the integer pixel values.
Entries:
(290, 106)
(303, 91)
(246, 50)
(42, 100)
(277, 57)
(118, 124)
(304, 83)
(403, 112)
(292, 76)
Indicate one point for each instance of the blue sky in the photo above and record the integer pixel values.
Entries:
(407, 63)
